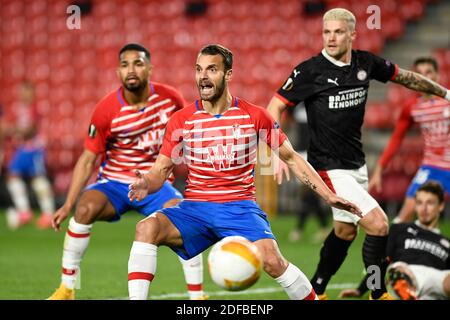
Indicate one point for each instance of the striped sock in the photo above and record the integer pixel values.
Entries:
(193, 274)
(75, 245)
(141, 269)
(296, 284)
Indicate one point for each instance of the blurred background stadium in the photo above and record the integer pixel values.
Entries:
(73, 69)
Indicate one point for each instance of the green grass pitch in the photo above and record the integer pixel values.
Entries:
(30, 263)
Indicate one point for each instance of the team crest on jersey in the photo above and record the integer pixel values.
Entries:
(361, 75)
(92, 130)
(445, 243)
(288, 85)
(236, 131)
(221, 156)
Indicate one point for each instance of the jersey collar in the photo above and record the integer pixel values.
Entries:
(435, 230)
(199, 104)
(334, 61)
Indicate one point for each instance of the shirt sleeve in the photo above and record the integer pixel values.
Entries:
(98, 132)
(298, 87)
(382, 70)
(269, 130)
(173, 138)
(404, 122)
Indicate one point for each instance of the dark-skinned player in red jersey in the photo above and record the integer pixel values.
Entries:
(125, 131)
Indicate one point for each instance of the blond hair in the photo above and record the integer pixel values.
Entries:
(341, 14)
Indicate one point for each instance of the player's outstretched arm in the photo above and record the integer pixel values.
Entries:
(151, 181)
(306, 173)
(81, 174)
(276, 108)
(418, 82)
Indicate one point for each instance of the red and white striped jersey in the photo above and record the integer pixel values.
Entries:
(220, 150)
(433, 117)
(128, 138)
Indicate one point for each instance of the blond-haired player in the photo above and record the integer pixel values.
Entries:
(333, 86)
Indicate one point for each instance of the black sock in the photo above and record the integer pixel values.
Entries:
(374, 254)
(332, 255)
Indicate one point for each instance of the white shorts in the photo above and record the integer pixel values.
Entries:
(430, 282)
(352, 186)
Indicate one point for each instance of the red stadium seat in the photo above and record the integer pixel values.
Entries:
(378, 115)
(412, 9)
(77, 66)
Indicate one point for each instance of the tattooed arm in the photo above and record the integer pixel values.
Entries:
(418, 82)
(306, 173)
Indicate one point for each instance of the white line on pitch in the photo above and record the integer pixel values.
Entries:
(336, 286)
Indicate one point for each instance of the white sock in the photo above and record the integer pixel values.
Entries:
(193, 274)
(75, 245)
(19, 195)
(141, 269)
(44, 194)
(296, 284)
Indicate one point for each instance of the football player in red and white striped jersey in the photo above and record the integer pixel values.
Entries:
(217, 136)
(126, 131)
(432, 114)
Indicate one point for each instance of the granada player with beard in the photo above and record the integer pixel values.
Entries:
(217, 136)
(126, 130)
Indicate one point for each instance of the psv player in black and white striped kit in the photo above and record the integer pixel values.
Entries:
(333, 87)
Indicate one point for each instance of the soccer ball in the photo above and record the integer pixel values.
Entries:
(234, 263)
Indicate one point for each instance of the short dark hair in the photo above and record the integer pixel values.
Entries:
(429, 60)
(135, 47)
(433, 187)
(214, 49)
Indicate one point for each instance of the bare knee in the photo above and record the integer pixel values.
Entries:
(447, 286)
(274, 265)
(148, 230)
(381, 228)
(85, 213)
(378, 227)
(273, 262)
(345, 231)
(375, 223)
